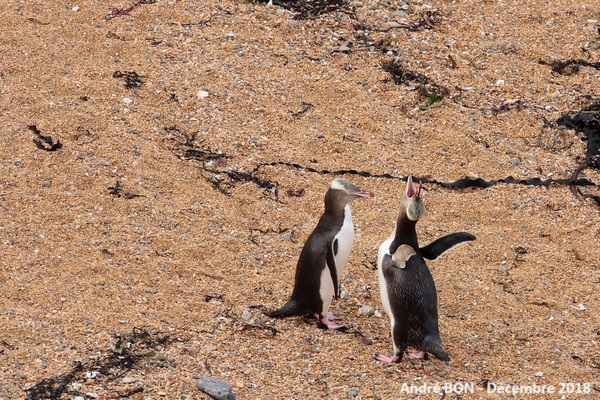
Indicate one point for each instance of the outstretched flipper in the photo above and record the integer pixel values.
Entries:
(438, 247)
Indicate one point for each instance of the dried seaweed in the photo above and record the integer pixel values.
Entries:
(586, 121)
(117, 12)
(306, 9)
(458, 184)
(44, 142)
(124, 355)
(132, 79)
(569, 67)
(401, 76)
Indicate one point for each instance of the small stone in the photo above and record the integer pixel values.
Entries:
(515, 161)
(202, 94)
(128, 380)
(246, 315)
(75, 8)
(394, 24)
(352, 393)
(92, 395)
(538, 374)
(78, 398)
(500, 82)
(377, 313)
(93, 375)
(127, 100)
(522, 337)
(215, 388)
(365, 310)
(343, 49)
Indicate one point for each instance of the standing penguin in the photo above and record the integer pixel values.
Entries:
(406, 286)
(324, 256)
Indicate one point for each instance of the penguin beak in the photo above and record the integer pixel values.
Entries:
(363, 193)
(411, 190)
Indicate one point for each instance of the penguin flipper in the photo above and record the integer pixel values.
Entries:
(439, 246)
(399, 258)
(331, 253)
(289, 309)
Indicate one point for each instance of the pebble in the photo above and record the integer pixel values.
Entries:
(246, 315)
(92, 395)
(344, 294)
(215, 388)
(352, 393)
(127, 100)
(78, 398)
(128, 380)
(365, 310)
(93, 375)
(538, 374)
(202, 94)
(394, 24)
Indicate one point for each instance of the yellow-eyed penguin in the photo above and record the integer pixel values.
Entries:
(324, 256)
(406, 285)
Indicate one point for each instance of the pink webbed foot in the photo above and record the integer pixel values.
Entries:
(331, 316)
(420, 355)
(387, 359)
(328, 321)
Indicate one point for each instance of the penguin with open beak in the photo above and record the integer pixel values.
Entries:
(324, 256)
(406, 285)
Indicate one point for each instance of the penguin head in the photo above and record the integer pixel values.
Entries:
(340, 193)
(347, 190)
(411, 202)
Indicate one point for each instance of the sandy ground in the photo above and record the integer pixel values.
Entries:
(164, 278)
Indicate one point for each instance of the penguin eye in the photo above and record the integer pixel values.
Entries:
(335, 247)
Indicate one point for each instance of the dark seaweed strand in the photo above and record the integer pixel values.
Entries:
(458, 184)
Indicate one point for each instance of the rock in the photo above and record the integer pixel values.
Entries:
(365, 310)
(246, 315)
(202, 94)
(538, 374)
(352, 393)
(215, 388)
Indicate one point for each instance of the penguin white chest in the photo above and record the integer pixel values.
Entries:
(344, 239)
(384, 250)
